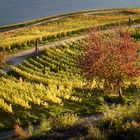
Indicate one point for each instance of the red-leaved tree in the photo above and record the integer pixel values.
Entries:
(111, 57)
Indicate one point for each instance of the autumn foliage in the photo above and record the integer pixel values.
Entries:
(111, 57)
(3, 57)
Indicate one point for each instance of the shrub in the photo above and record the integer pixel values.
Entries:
(45, 126)
(19, 133)
(118, 116)
(59, 121)
(64, 120)
(94, 133)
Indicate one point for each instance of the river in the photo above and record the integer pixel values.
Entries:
(14, 11)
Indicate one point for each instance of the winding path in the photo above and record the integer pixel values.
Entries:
(21, 56)
(57, 17)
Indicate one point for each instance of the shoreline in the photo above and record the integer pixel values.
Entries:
(37, 21)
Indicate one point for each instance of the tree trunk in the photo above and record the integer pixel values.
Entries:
(120, 92)
(119, 89)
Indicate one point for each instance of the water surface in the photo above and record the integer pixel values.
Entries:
(13, 11)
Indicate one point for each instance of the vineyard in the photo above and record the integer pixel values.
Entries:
(47, 84)
(20, 39)
(50, 84)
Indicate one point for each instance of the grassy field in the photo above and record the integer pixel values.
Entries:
(48, 89)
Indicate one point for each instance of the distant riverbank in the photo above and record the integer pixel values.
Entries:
(49, 18)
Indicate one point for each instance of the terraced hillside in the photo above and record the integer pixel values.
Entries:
(70, 25)
(49, 84)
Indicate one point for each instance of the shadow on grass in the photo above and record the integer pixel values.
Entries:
(129, 134)
(85, 91)
(63, 133)
(91, 102)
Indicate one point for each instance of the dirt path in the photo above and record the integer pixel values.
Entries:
(56, 18)
(20, 57)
